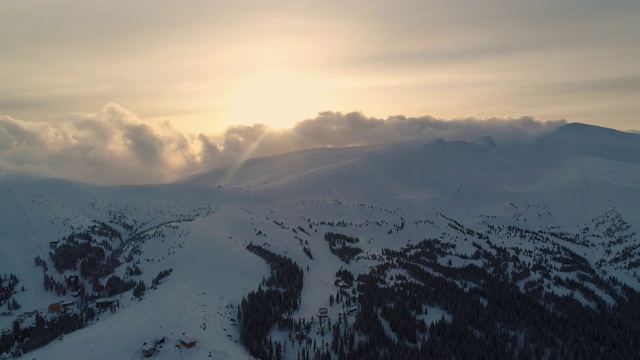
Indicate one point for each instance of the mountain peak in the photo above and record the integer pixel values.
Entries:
(586, 130)
(582, 140)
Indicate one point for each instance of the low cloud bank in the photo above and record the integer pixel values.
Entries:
(115, 147)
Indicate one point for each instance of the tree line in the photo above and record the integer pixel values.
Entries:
(278, 294)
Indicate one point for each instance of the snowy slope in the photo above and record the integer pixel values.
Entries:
(580, 183)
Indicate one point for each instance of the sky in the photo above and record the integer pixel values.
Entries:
(113, 91)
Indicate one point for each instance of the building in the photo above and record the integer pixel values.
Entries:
(187, 341)
(66, 305)
(323, 312)
(54, 307)
(351, 309)
(102, 304)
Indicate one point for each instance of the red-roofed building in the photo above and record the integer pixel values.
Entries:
(187, 341)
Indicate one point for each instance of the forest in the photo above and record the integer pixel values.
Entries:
(487, 315)
(279, 294)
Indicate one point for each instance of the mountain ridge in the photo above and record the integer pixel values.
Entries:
(471, 218)
(506, 160)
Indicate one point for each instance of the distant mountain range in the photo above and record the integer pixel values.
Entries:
(444, 249)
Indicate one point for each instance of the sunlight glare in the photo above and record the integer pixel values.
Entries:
(277, 99)
(233, 169)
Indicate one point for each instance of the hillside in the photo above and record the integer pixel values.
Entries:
(526, 249)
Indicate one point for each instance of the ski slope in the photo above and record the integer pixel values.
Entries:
(386, 195)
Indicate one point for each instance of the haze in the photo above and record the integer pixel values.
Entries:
(146, 91)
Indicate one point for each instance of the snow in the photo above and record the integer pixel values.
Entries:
(204, 222)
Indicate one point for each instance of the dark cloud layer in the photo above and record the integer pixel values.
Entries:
(115, 147)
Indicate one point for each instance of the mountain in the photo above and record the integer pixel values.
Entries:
(522, 249)
(572, 156)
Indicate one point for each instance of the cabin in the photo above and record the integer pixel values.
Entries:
(159, 340)
(187, 341)
(341, 284)
(61, 305)
(67, 304)
(54, 307)
(323, 312)
(103, 304)
(53, 244)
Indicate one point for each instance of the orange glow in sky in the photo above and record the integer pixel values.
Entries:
(208, 65)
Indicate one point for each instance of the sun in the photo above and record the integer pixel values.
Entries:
(277, 99)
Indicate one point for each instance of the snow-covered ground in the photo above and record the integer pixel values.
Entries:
(387, 196)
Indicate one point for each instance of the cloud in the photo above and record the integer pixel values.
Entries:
(109, 147)
(336, 129)
(114, 146)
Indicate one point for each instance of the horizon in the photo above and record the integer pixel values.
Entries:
(121, 93)
(261, 144)
(114, 147)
